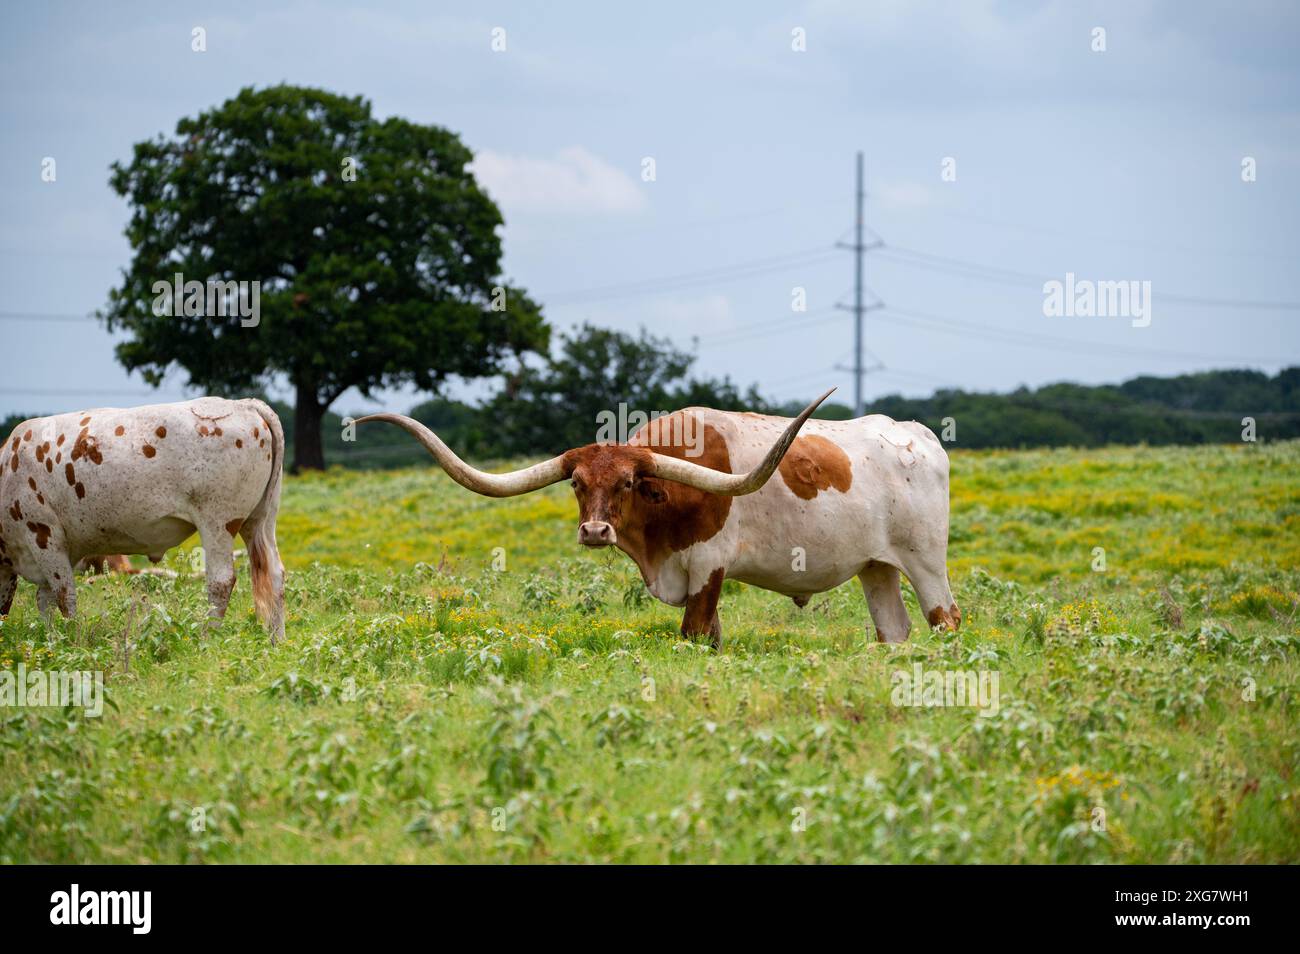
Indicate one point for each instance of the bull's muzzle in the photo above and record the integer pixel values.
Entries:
(596, 533)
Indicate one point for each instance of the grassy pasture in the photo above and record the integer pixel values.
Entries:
(426, 706)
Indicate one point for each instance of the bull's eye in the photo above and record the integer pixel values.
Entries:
(573, 484)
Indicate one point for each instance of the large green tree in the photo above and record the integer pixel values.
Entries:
(376, 252)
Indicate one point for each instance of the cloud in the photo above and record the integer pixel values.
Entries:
(573, 182)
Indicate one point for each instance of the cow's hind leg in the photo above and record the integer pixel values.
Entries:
(219, 567)
(880, 584)
(929, 577)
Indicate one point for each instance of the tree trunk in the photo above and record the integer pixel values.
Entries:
(308, 453)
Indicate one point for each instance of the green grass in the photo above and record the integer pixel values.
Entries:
(428, 707)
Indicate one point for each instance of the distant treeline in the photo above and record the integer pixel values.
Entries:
(547, 409)
(1189, 409)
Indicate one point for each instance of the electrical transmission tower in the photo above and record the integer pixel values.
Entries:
(858, 308)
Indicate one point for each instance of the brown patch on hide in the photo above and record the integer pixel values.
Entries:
(87, 446)
(42, 533)
(813, 464)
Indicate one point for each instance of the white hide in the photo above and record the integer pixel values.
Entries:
(141, 481)
(894, 516)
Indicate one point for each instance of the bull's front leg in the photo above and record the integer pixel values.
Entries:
(701, 617)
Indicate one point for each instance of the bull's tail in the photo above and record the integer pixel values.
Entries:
(258, 532)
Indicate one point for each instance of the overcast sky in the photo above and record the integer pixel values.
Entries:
(1125, 164)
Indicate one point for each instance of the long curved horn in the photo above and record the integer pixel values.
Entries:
(489, 485)
(733, 485)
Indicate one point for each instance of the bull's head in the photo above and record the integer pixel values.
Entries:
(609, 480)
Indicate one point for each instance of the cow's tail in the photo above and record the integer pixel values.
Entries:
(258, 532)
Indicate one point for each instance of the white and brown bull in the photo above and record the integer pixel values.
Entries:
(142, 480)
(865, 498)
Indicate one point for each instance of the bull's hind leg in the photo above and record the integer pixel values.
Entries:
(219, 567)
(929, 577)
(880, 584)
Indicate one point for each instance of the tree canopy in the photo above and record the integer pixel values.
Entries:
(375, 252)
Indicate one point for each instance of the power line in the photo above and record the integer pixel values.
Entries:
(1109, 239)
(1052, 342)
(920, 259)
(42, 316)
(917, 375)
(682, 226)
(76, 392)
(724, 273)
(806, 375)
(768, 329)
(776, 322)
(60, 253)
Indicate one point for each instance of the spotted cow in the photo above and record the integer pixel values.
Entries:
(865, 498)
(142, 480)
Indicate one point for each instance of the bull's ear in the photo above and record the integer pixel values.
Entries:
(651, 491)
